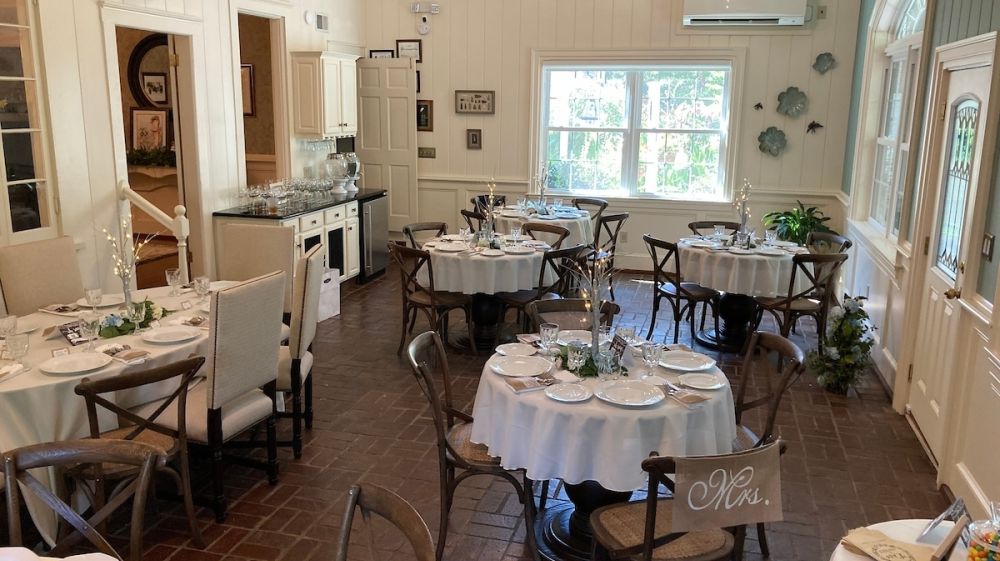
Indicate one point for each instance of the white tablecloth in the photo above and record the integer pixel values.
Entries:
(595, 440)
(581, 230)
(25, 554)
(37, 407)
(905, 531)
(753, 275)
(472, 273)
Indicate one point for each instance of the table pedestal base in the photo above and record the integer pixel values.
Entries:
(562, 532)
(735, 315)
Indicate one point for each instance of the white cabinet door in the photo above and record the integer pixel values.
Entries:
(307, 110)
(352, 249)
(332, 81)
(348, 96)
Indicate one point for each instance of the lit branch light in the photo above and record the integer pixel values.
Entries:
(595, 282)
(742, 204)
(125, 257)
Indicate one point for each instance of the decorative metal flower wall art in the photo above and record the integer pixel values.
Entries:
(792, 102)
(772, 141)
(824, 62)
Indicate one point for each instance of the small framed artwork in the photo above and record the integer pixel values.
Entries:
(413, 48)
(418, 81)
(381, 53)
(246, 82)
(474, 139)
(154, 84)
(150, 128)
(425, 115)
(475, 101)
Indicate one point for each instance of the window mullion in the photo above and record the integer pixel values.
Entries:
(630, 149)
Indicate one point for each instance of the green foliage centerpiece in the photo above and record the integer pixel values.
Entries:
(115, 325)
(595, 284)
(847, 348)
(794, 225)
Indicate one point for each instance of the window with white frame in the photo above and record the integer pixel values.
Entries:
(900, 65)
(636, 131)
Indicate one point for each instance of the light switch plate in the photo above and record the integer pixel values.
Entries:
(988, 242)
(426, 152)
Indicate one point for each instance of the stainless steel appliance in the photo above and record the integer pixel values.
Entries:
(374, 237)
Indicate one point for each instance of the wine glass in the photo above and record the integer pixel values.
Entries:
(575, 355)
(548, 333)
(174, 280)
(605, 365)
(90, 328)
(201, 287)
(136, 314)
(94, 297)
(17, 346)
(770, 236)
(8, 325)
(718, 231)
(464, 234)
(651, 355)
(515, 234)
(627, 333)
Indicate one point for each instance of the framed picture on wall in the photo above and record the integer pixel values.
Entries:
(475, 101)
(154, 85)
(474, 139)
(425, 115)
(413, 48)
(246, 84)
(150, 128)
(381, 53)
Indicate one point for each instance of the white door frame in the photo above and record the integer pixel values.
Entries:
(968, 53)
(191, 47)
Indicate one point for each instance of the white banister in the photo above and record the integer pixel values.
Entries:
(179, 225)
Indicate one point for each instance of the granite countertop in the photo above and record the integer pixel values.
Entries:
(298, 209)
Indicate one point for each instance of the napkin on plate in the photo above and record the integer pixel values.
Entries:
(124, 353)
(528, 384)
(12, 371)
(880, 547)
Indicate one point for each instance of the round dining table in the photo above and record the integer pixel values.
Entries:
(905, 531)
(739, 275)
(37, 406)
(594, 446)
(578, 222)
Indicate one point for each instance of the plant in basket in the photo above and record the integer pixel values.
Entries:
(847, 348)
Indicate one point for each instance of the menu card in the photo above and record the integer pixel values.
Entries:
(880, 547)
(618, 346)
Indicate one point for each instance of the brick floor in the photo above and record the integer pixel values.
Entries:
(851, 461)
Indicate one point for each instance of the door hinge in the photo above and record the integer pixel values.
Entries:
(909, 374)
(944, 111)
(175, 60)
(927, 245)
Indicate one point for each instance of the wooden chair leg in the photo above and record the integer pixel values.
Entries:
(542, 500)
(402, 331)
(297, 424)
(529, 517)
(218, 469)
(762, 539)
(468, 326)
(272, 451)
(445, 510)
(308, 416)
(652, 319)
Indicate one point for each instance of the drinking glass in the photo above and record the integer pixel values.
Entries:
(742, 239)
(201, 286)
(90, 327)
(8, 325)
(136, 314)
(174, 281)
(770, 236)
(548, 333)
(718, 231)
(17, 346)
(576, 355)
(627, 333)
(515, 234)
(605, 365)
(94, 297)
(557, 203)
(604, 336)
(522, 205)
(651, 355)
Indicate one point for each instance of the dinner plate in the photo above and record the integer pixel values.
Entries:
(568, 214)
(451, 247)
(516, 349)
(25, 325)
(686, 361)
(740, 251)
(430, 244)
(768, 251)
(568, 393)
(511, 214)
(582, 335)
(691, 239)
(706, 245)
(783, 243)
(491, 253)
(520, 366)
(171, 334)
(76, 363)
(630, 393)
(701, 381)
(107, 301)
(546, 217)
(452, 237)
(518, 250)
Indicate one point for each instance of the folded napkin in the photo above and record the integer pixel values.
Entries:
(686, 398)
(528, 338)
(191, 321)
(124, 353)
(880, 547)
(12, 371)
(528, 384)
(61, 309)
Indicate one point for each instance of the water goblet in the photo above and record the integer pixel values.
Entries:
(90, 328)
(557, 203)
(575, 355)
(136, 313)
(770, 236)
(718, 231)
(604, 336)
(548, 333)
(174, 280)
(627, 333)
(17, 346)
(515, 234)
(94, 297)
(605, 365)
(8, 325)
(201, 287)
(651, 355)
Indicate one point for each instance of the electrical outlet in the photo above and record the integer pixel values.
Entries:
(820, 12)
(425, 152)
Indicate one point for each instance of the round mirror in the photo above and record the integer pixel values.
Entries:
(148, 66)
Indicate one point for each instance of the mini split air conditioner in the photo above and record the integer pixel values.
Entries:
(714, 13)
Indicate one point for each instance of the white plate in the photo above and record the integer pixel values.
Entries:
(706, 245)
(516, 349)
(630, 393)
(25, 325)
(519, 366)
(171, 334)
(582, 335)
(76, 363)
(740, 251)
(782, 243)
(546, 217)
(206, 307)
(568, 215)
(511, 214)
(107, 301)
(568, 393)
(518, 250)
(430, 244)
(774, 252)
(451, 247)
(452, 237)
(701, 381)
(491, 253)
(686, 361)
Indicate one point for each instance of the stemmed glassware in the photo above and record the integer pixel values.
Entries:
(17, 346)
(90, 328)
(576, 355)
(548, 333)
(8, 325)
(605, 365)
(94, 297)
(136, 314)
(174, 281)
(651, 355)
(627, 333)
(770, 236)
(515, 234)
(201, 287)
(718, 231)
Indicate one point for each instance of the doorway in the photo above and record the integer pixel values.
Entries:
(265, 137)
(151, 108)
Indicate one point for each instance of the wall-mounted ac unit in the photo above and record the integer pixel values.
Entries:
(715, 13)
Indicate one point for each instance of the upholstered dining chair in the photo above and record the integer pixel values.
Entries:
(295, 361)
(482, 202)
(827, 242)
(247, 251)
(820, 271)
(170, 442)
(648, 529)
(707, 227)
(453, 430)
(555, 280)
(241, 373)
(594, 206)
(606, 241)
(36, 274)
(411, 231)
(71, 453)
(668, 284)
(418, 296)
(390, 506)
(570, 313)
(549, 233)
(474, 219)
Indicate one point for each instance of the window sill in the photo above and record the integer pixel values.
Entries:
(883, 249)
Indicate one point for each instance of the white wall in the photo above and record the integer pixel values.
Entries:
(480, 44)
(87, 132)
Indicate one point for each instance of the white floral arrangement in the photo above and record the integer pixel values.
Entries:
(848, 342)
(114, 325)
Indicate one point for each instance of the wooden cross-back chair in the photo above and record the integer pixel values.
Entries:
(707, 227)
(71, 453)
(390, 506)
(827, 242)
(558, 265)
(170, 442)
(453, 429)
(570, 313)
(558, 232)
(606, 241)
(594, 206)
(420, 297)
(669, 285)
(482, 202)
(820, 271)
(411, 231)
(474, 219)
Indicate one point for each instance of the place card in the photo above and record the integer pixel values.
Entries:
(618, 346)
(185, 305)
(61, 351)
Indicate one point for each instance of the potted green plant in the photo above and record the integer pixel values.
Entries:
(794, 225)
(847, 347)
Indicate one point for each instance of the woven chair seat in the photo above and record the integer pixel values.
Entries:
(441, 298)
(798, 304)
(625, 524)
(694, 290)
(460, 438)
(165, 445)
(745, 439)
(522, 297)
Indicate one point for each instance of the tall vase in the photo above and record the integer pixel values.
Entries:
(127, 292)
(595, 331)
